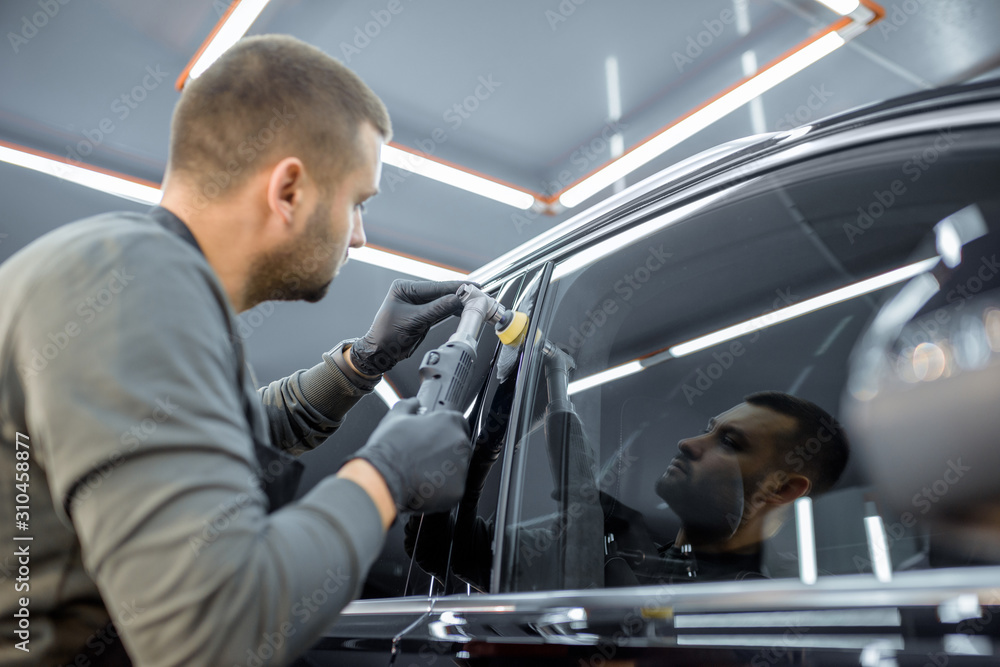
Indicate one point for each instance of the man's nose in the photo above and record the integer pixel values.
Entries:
(690, 447)
(358, 238)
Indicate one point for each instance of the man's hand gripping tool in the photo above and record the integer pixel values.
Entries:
(446, 371)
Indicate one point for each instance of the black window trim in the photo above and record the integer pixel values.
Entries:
(524, 383)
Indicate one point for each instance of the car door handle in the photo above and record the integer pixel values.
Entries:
(566, 625)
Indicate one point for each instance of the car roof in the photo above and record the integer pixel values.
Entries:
(745, 157)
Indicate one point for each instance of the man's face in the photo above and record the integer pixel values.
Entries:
(716, 472)
(303, 267)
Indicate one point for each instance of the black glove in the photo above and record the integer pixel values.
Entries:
(409, 310)
(424, 459)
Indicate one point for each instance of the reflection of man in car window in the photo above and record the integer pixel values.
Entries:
(730, 487)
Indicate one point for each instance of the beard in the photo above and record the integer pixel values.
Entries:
(710, 510)
(302, 268)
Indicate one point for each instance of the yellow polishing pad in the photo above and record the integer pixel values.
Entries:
(514, 332)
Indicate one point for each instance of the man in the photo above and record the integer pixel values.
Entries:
(731, 486)
(151, 494)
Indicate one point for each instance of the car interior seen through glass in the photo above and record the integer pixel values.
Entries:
(652, 446)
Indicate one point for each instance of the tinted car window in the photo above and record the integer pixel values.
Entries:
(784, 272)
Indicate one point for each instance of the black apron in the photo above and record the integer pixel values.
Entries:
(278, 472)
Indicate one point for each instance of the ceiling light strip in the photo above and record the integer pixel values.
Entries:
(812, 50)
(842, 7)
(799, 309)
(233, 24)
(407, 264)
(614, 373)
(146, 192)
(806, 538)
(756, 324)
(95, 178)
(456, 176)
(878, 548)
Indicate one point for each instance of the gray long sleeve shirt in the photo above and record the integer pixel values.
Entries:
(121, 385)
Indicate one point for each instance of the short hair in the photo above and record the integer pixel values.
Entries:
(266, 98)
(819, 446)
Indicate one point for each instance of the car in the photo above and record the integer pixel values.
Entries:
(758, 265)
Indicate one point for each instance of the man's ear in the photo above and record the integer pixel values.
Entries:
(794, 487)
(286, 189)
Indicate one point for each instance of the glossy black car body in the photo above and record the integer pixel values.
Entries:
(778, 220)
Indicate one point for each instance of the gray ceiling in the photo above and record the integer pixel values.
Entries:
(549, 104)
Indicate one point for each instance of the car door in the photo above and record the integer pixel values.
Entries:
(764, 277)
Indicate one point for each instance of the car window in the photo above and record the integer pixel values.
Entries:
(639, 458)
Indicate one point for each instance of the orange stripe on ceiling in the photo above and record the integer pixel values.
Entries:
(204, 45)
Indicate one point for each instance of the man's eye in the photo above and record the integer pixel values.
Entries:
(729, 442)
